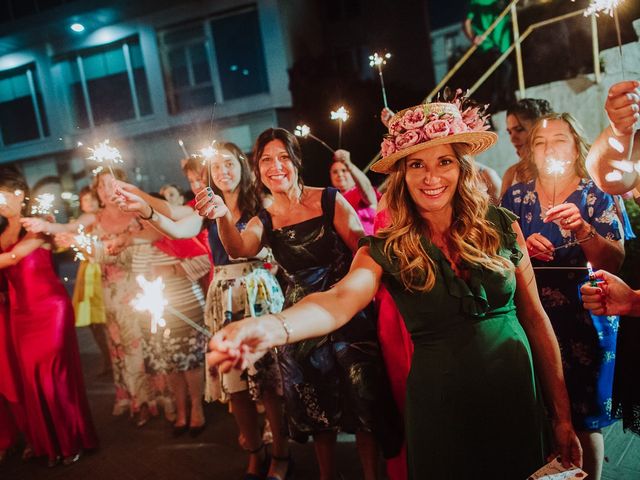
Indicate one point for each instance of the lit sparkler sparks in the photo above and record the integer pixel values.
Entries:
(105, 153)
(606, 6)
(555, 167)
(341, 115)
(83, 243)
(378, 61)
(303, 131)
(43, 204)
(208, 153)
(152, 300)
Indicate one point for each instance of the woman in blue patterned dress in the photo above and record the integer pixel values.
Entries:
(568, 221)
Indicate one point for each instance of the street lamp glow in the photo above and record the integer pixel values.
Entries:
(77, 27)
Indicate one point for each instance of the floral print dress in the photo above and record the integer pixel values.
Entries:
(124, 324)
(587, 341)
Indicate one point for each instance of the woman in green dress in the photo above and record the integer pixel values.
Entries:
(458, 270)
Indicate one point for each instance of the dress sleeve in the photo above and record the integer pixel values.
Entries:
(503, 219)
(603, 214)
(376, 251)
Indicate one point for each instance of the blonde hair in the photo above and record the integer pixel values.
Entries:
(527, 169)
(473, 237)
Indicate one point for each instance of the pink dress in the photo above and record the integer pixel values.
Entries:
(9, 386)
(42, 323)
(366, 214)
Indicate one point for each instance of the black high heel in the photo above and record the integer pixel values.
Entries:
(264, 467)
(290, 467)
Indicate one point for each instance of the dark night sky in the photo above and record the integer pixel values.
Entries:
(446, 12)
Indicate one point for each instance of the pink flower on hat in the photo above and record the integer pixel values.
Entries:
(395, 127)
(458, 126)
(387, 147)
(413, 119)
(437, 129)
(409, 138)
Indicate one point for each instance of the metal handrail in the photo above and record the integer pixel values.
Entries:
(469, 52)
(526, 33)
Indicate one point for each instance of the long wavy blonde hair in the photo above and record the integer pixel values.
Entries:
(528, 171)
(472, 236)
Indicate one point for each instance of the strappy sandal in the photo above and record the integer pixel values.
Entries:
(264, 467)
(290, 466)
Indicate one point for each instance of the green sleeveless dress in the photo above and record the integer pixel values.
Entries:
(473, 409)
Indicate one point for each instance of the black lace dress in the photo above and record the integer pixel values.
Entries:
(335, 382)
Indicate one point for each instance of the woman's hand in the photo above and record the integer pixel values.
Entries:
(568, 217)
(116, 245)
(131, 203)
(385, 116)
(34, 224)
(539, 247)
(240, 344)
(623, 106)
(210, 205)
(567, 445)
(612, 296)
(64, 240)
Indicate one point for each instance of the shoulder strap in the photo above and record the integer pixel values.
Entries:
(328, 202)
(265, 218)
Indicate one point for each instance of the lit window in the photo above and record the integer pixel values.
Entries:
(107, 85)
(201, 67)
(22, 115)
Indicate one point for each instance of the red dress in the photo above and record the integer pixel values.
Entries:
(9, 386)
(42, 323)
(397, 349)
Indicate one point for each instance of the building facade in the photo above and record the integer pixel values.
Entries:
(142, 74)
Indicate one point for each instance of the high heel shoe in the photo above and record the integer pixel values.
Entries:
(27, 453)
(180, 430)
(144, 416)
(290, 467)
(264, 465)
(195, 431)
(71, 459)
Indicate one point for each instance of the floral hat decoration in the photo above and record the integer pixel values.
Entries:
(459, 120)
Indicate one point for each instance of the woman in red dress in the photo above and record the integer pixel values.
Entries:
(59, 423)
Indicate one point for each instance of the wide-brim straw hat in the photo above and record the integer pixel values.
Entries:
(469, 132)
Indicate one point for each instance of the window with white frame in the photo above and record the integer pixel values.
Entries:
(22, 115)
(214, 59)
(107, 84)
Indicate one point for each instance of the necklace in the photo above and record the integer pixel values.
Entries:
(547, 201)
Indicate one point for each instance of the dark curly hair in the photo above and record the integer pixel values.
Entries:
(530, 108)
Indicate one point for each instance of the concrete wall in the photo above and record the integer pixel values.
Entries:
(580, 96)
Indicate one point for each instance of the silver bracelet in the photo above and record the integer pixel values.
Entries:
(285, 326)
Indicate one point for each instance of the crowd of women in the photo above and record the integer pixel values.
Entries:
(441, 322)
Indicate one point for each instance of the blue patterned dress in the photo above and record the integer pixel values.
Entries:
(587, 342)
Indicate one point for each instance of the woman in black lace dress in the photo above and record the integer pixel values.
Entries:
(335, 382)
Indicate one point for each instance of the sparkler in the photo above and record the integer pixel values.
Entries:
(43, 204)
(303, 131)
(105, 153)
(152, 300)
(83, 243)
(610, 7)
(184, 149)
(342, 115)
(378, 61)
(208, 153)
(555, 167)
